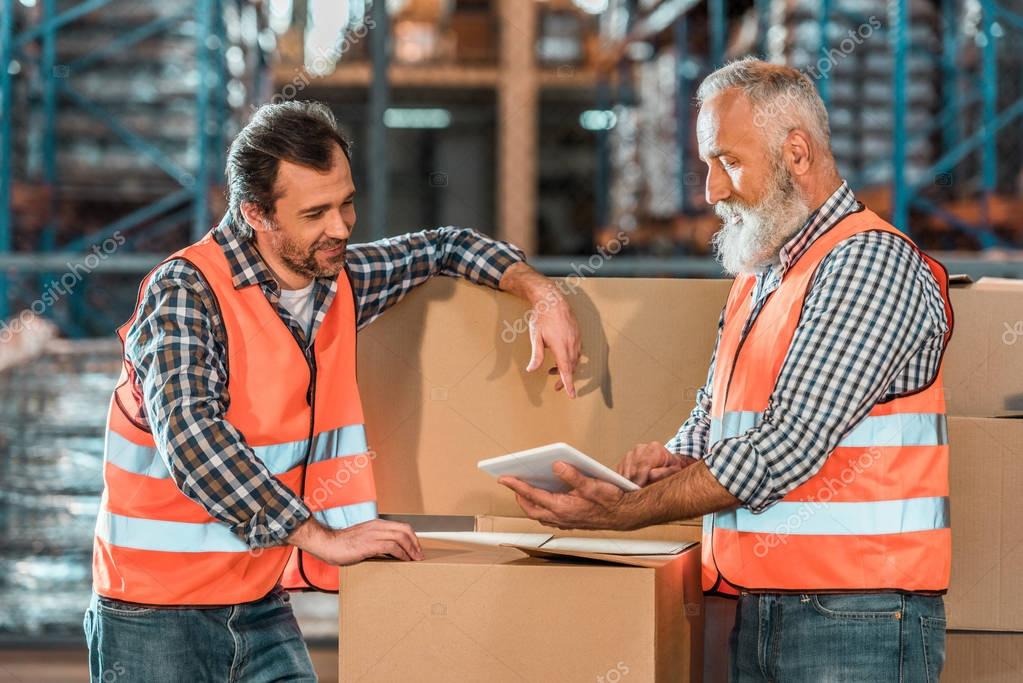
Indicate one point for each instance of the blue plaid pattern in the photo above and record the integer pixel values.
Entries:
(872, 328)
(177, 347)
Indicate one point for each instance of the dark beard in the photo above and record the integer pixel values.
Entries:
(304, 262)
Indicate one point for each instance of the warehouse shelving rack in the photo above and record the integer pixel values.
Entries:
(982, 84)
(964, 85)
(185, 197)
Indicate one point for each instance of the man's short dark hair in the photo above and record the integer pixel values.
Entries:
(303, 133)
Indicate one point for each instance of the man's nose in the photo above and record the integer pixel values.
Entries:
(718, 187)
(339, 229)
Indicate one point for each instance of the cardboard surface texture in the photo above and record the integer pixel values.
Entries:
(984, 360)
(453, 356)
(986, 478)
(473, 613)
(983, 658)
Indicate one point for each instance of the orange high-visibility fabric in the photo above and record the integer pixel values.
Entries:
(874, 517)
(154, 545)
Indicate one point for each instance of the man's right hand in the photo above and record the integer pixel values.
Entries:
(650, 462)
(357, 543)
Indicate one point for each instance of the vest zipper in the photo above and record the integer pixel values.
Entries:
(311, 398)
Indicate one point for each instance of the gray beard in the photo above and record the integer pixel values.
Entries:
(754, 242)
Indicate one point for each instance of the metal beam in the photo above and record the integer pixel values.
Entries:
(134, 218)
(52, 24)
(975, 266)
(716, 17)
(518, 125)
(822, 26)
(899, 35)
(6, 142)
(950, 74)
(204, 16)
(136, 142)
(379, 97)
(123, 41)
(682, 108)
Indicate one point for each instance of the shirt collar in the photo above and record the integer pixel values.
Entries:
(247, 266)
(834, 208)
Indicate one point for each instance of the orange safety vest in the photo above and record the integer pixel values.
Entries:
(875, 517)
(156, 546)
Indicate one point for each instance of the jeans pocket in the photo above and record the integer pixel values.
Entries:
(933, 636)
(858, 605)
(87, 625)
(122, 609)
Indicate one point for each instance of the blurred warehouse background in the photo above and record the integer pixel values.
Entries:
(561, 125)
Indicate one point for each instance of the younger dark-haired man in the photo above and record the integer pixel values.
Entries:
(236, 464)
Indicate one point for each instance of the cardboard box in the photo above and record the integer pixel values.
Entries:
(972, 657)
(493, 613)
(984, 360)
(444, 385)
(985, 478)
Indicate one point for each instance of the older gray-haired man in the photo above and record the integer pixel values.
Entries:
(817, 447)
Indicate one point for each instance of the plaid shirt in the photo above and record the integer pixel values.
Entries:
(872, 328)
(177, 347)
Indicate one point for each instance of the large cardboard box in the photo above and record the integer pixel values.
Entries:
(494, 613)
(983, 658)
(986, 478)
(444, 385)
(984, 361)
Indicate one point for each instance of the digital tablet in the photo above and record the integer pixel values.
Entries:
(534, 467)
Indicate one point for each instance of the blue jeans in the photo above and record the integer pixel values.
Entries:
(849, 637)
(252, 642)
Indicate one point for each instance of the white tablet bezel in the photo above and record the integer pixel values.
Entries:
(526, 464)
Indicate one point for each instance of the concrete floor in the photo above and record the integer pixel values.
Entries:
(70, 665)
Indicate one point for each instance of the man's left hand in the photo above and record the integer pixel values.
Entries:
(552, 323)
(591, 504)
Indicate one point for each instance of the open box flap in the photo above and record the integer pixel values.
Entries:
(648, 561)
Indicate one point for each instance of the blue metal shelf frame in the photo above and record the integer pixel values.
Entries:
(211, 113)
(907, 195)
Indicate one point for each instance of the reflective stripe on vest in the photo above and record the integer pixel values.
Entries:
(838, 519)
(900, 429)
(278, 458)
(215, 537)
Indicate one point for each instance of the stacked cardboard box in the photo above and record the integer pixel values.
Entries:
(984, 393)
(444, 385)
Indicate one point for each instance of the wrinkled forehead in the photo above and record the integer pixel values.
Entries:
(727, 123)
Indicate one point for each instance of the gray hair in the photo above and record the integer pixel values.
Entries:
(782, 97)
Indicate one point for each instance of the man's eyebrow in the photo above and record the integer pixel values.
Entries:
(314, 209)
(324, 207)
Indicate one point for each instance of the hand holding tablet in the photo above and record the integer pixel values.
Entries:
(535, 467)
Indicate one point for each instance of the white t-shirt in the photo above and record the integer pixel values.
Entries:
(299, 303)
